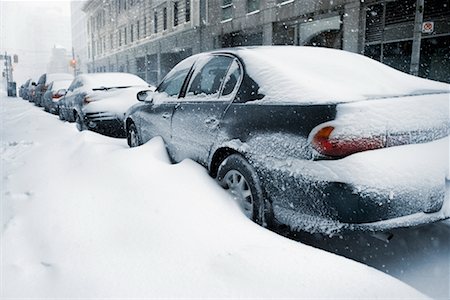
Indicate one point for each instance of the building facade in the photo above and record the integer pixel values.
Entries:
(148, 38)
(79, 36)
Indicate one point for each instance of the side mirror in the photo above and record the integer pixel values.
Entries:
(146, 96)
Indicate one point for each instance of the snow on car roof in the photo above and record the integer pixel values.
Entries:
(58, 76)
(322, 75)
(113, 79)
(61, 84)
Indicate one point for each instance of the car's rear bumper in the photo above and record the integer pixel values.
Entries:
(374, 190)
(105, 123)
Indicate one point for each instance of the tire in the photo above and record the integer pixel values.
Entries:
(133, 138)
(80, 123)
(239, 176)
(60, 115)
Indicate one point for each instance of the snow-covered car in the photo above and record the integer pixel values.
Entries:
(44, 82)
(56, 89)
(30, 92)
(319, 139)
(99, 101)
(23, 87)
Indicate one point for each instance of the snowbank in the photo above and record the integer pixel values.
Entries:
(85, 216)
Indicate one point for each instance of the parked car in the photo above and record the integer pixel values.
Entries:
(31, 92)
(99, 101)
(318, 139)
(43, 83)
(55, 91)
(23, 87)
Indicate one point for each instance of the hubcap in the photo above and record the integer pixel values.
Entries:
(240, 189)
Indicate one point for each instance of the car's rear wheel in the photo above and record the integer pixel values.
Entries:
(238, 176)
(133, 138)
(80, 123)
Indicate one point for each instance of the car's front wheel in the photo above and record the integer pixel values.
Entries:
(133, 136)
(61, 115)
(238, 176)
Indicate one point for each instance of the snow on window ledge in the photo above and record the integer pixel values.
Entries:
(226, 20)
(285, 2)
(253, 12)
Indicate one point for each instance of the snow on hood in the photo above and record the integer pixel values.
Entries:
(109, 80)
(321, 75)
(113, 101)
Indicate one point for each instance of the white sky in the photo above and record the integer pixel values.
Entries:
(30, 29)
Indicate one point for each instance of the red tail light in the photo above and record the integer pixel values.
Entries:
(87, 100)
(56, 96)
(339, 146)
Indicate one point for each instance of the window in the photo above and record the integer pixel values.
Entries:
(227, 9)
(231, 80)
(187, 12)
(121, 5)
(164, 18)
(252, 5)
(119, 38)
(111, 41)
(131, 33)
(174, 80)
(155, 22)
(138, 33)
(145, 26)
(75, 84)
(175, 13)
(208, 81)
(125, 40)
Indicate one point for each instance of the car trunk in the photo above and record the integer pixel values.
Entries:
(387, 122)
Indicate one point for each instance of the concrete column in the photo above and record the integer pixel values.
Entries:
(351, 25)
(415, 55)
(267, 34)
(158, 61)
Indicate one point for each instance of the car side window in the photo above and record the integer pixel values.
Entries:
(42, 79)
(173, 82)
(75, 84)
(232, 80)
(207, 81)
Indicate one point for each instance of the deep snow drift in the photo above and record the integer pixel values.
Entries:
(85, 216)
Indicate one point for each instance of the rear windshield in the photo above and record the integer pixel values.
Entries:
(322, 75)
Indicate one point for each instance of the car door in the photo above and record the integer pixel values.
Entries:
(198, 115)
(154, 117)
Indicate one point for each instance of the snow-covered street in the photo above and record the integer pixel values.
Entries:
(85, 216)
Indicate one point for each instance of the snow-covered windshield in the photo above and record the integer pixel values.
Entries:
(322, 75)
